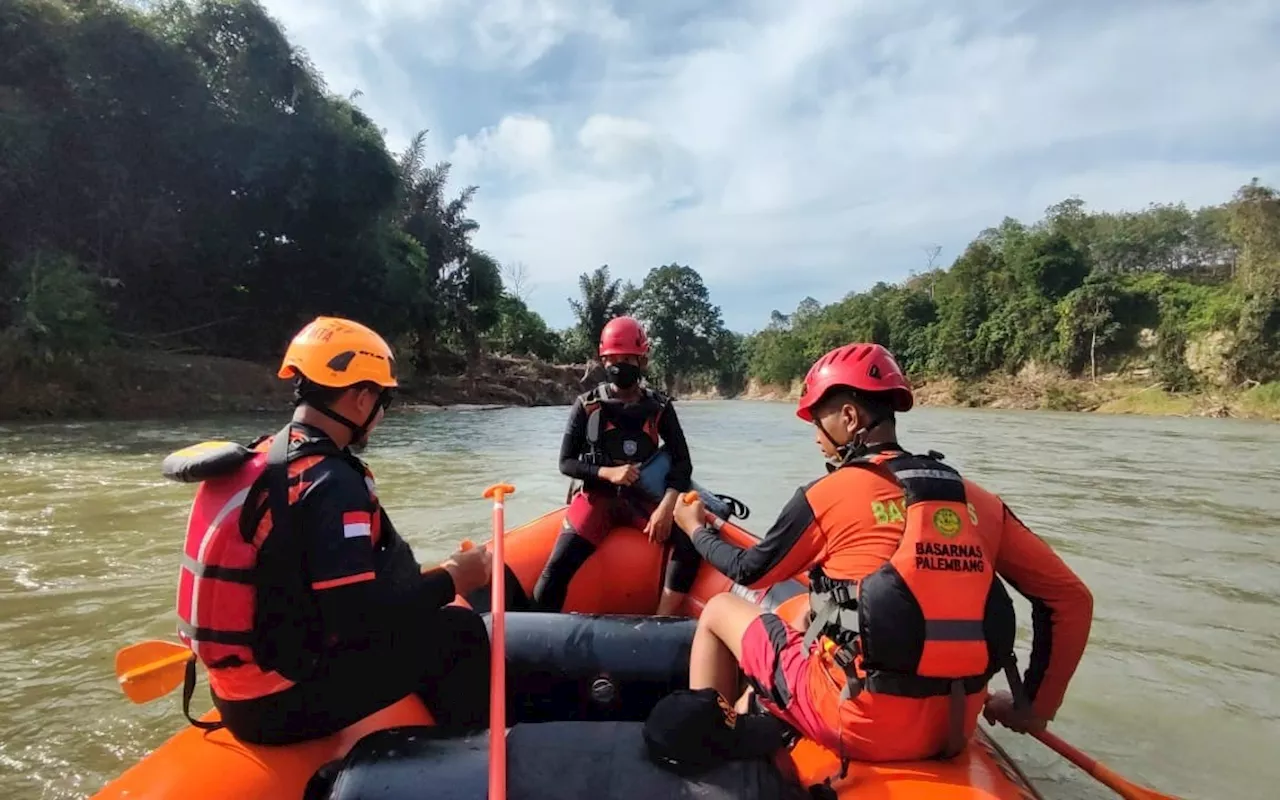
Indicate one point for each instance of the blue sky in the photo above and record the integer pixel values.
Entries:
(787, 148)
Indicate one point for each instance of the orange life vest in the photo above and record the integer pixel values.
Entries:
(934, 620)
(226, 566)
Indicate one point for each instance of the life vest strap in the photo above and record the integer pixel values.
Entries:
(956, 708)
(1016, 688)
(596, 401)
(954, 630)
(904, 684)
(955, 721)
(214, 636)
(217, 573)
(829, 617)
(834, 609)
(188, 690)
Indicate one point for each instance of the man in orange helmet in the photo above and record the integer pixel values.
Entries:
(908, 620)
(612, 430)
(304, 604)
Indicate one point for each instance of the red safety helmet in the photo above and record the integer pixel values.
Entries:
(859, 366)
(623, 336)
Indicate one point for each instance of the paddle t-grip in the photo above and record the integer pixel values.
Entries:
(498, 491)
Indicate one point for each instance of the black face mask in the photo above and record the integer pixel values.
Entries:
(624, 376)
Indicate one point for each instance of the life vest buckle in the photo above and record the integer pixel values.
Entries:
(844, 657)
(843, 595)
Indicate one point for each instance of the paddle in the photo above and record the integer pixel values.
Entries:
(151, 669)
(498, 648)
(690, 497)
(1126, 789)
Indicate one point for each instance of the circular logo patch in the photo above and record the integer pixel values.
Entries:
(946, 521)
(630, 447)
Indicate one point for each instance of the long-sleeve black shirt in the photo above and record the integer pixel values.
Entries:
(367, 583)
(574, 445)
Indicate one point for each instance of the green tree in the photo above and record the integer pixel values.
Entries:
(1075, 287)
(521, 332)
(603, 298)
(1087, 321)
(213, 194)
(681, 322)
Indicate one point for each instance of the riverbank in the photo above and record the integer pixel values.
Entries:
(1110, 394)
(125, 384)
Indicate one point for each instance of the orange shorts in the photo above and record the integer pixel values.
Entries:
(777, 667)
(803, 690)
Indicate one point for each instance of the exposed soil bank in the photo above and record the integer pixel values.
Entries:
(123, 384)
(1111, 394)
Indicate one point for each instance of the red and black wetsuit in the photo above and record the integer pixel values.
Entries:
(604, 431)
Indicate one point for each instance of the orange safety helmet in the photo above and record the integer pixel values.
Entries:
(336, 353)
(623, 336)
(862, 367)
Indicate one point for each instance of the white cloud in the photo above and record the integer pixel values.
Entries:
(519, 144)
(819, 142)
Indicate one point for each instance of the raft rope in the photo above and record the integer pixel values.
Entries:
(737, 508)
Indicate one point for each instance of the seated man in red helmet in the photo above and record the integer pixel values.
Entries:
(908, 621)
(306, 607)
(612, 430)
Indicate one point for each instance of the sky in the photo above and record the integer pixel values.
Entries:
(792, 148)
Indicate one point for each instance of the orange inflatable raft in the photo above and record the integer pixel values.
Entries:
(579, 687)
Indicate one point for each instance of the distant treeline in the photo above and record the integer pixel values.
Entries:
(1074, 290)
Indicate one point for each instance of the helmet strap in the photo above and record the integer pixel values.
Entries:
(853, 449)
(357, 431)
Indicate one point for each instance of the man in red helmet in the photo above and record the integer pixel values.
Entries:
(612, 430)
(908, 622)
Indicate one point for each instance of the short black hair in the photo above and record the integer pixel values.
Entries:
(313, 394)
(875, 405)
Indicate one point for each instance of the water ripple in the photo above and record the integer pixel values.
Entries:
(1172, 523)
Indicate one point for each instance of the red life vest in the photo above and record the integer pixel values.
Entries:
(935, 619)
(618, 433)
(217, 587)
(223, 569)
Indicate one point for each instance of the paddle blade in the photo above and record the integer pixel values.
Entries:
(151, 669)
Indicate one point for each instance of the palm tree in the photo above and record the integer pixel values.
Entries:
(442, 228)
(603, 298)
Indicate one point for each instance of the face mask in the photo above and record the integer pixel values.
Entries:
(624, 376)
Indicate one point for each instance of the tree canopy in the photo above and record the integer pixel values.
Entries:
(180, 177)
(1073, 290)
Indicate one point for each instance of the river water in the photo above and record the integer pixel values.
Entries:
(1172, 522)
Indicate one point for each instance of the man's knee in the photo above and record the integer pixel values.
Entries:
(464, 628)
(718, 606)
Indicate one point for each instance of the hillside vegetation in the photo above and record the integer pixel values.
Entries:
(181, 190)
(1185, 299)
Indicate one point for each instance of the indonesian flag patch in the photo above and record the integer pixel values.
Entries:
(356, 524)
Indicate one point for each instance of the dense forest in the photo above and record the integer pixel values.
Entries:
(178, 178)
(1077, 290)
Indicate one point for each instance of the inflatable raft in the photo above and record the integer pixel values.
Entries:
(579, 686)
